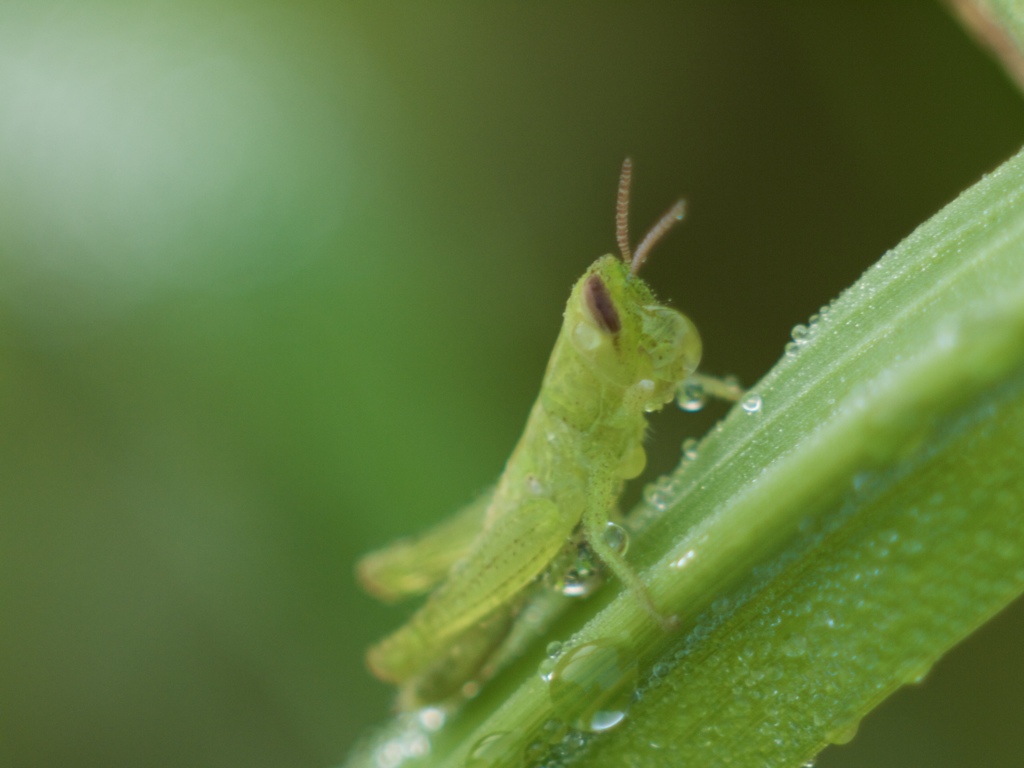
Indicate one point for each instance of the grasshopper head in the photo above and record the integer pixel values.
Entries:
(626, 337)
(617, 326)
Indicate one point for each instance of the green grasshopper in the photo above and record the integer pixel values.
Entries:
(620, 354)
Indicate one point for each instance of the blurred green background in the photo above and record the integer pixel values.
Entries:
(278, 282)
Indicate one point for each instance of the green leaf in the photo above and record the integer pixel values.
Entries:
(843, 527)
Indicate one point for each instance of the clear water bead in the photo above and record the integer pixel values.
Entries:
(690, 448)
(692, 396)
(592, 685)
(616, 537)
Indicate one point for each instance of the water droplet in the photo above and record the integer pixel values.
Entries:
(605, 719)
(536, 751)
(491, 750)
(431, 718)
(801, 334)
(572, 742)
(553, 731)
(592, 685)
(554, 648)
(545, 669)
(792, 349)
(692, 396)
(659, 493)
(684, 560)
(690, 448)
(844, 734)
(579, 577)
(752, 403)
(534, 486)
(411, 743)
(917, 675)
(646, 386)
(389, 755)
(794, 646)
(616, 537)
(575, 584)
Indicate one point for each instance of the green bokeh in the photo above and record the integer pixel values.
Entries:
(278, 282)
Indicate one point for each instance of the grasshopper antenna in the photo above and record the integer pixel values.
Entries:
(622, 211)
(665, 223)
(673, 216)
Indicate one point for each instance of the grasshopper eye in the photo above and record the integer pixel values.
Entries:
(599, 303)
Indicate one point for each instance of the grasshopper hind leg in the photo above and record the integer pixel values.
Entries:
(512, 551)
(415, 565)
(464, 663)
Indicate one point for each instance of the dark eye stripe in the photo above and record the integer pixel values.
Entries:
(600, 304)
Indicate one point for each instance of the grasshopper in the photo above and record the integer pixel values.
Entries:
(619, 355)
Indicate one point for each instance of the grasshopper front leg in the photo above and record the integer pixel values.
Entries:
(697, 387)
(600, 503)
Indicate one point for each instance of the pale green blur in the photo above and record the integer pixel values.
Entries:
(278, 283)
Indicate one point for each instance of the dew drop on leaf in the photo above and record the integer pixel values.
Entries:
(692, 397)
(592, 685)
